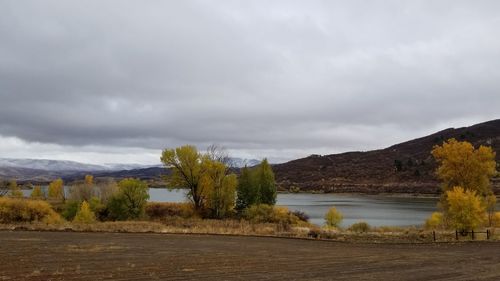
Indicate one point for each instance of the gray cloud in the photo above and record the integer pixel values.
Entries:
(281, 79)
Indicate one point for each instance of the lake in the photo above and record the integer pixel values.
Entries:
(377, 210)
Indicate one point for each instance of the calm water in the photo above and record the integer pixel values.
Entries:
(376, 210)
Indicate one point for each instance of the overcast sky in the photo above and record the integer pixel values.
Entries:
(117, 81)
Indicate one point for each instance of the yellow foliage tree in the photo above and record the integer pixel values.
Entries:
(462, 165)
(56, 190)
(15, 190)
(37, 192)
(84, 214)
(333, 218)
(465, 209)
(89, 180)
(218, 187)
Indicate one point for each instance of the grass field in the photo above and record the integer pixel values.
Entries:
(31, 255)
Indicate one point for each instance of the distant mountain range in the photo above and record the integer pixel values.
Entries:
(63, 165)
(407, 167)
(44, 170)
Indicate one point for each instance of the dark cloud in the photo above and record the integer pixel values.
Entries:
(281, 79)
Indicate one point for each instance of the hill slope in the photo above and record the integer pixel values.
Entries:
(403, 168)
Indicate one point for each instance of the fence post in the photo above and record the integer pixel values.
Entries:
(456, 234)
(472, 234)
(434, 235)
(487, 234)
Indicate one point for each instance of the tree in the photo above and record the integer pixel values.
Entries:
(187, 170)
(462, 165)
(130, 201)
(89, 180)
(15, 191)
(84, 214)
(266, 183)
(37, 193)
(219, 188)
(247, 192)
(333, 218)
(256, 186)
(490, 202)
(465, 211)
(56, 190)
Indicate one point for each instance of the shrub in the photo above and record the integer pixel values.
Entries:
(159, 210)
(70, 209)
(333, 218)
(84, 214)
(301, 216)
(25, 210)
(434, 221)
(264, 213)
(360, 227)
(130, 201)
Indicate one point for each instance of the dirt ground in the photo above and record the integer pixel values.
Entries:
(125, 256)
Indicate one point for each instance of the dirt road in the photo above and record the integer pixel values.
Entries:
(125, 256)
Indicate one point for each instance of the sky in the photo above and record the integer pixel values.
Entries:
(118, 81)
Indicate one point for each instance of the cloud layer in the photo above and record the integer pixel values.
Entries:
(96, 80)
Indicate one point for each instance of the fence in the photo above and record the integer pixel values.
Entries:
(466, 233)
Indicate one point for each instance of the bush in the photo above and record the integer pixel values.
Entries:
(264, 213)
(301, 216)
(84, 214)
(130, 201)
(25, 210)
(360, 227)
(434, 221)
(333, 218)
(70, 209)
(159, 210)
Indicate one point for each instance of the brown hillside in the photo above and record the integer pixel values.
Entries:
(403, 168)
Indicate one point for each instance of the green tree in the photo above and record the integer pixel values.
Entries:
(37, 193)
(187, 170)
(247, 190)
(333, 217)
(84, 214)
(266, 183)
(130, 201)
(56, 190)
(465, 209)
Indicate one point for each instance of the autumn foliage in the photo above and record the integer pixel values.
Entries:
(467, 201)
(460, 164)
